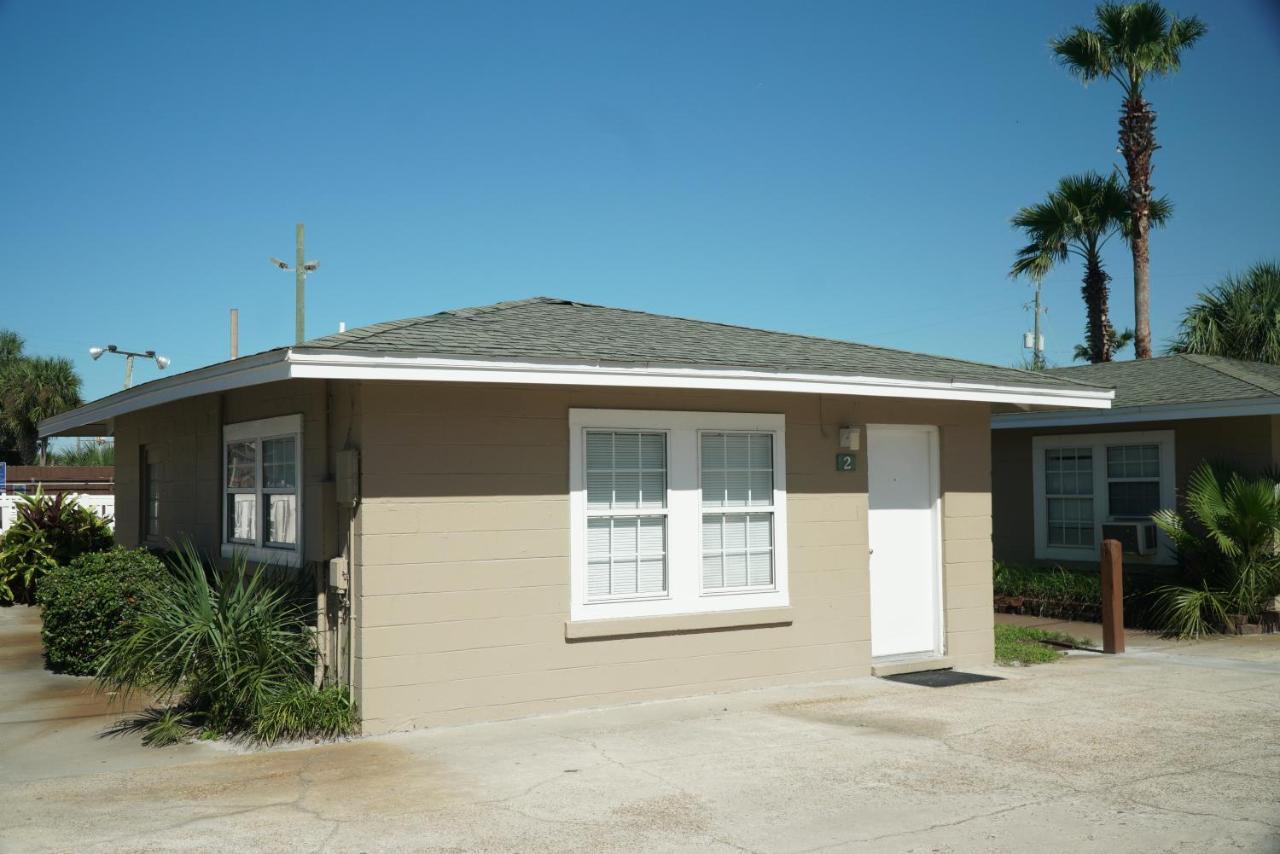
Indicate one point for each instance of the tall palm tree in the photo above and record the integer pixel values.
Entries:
(1132, 43)
(33, 388)
(1238, 318)
(1119, 340)
(1078, 218)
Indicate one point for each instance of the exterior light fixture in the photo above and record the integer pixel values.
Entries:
(162, 362)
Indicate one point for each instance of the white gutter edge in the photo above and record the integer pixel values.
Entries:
(251, 370)
(373, 366)
(1135, 414)
(288, 364)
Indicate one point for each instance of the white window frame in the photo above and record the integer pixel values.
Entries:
(684, 512)
(1098, 443)
(284, 426)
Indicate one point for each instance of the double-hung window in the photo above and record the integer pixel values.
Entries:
(1083, 481)
(676, 512)
(262, 489)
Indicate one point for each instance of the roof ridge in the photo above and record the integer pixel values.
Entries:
(878, 347)
(1234, 368)
(360, 333)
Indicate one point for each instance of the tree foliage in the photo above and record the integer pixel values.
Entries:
(1238, 318)
(32, 388)
(1132, 42)
(1077, 219)
(1228, 548)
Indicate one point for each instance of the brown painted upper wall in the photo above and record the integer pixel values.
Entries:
(1251, 443)
(184, 439)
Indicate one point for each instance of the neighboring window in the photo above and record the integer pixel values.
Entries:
(626, 514)
(150, 472)
(1084, 481)
(1133, 481)
(1068, 479)
(674, 512)
(261, 488)
(737, 547)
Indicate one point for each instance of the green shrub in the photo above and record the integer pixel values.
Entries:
(49, 531)
(1071, 594)
(228, 651)
(92, 601)
(1228, 551)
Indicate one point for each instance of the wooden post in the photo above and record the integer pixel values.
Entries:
(1112, 597)
(235, 333)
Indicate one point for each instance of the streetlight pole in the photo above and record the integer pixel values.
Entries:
(300, 269)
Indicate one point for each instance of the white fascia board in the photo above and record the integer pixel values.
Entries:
(287, 364)
(251, 370)
(1135, 414)
(376, 367)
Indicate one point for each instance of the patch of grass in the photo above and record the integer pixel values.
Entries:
(1022, 645)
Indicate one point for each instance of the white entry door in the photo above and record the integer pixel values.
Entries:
(905, 541)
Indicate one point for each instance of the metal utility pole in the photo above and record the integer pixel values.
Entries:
(301, 267)
(1034, 340)
(235, 332)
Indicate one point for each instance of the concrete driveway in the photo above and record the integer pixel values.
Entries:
(1169, 748)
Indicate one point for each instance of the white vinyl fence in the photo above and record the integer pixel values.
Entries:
(103, 505)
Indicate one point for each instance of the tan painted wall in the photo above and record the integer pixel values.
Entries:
(464, 567)
(185, 439)
(1250, 442)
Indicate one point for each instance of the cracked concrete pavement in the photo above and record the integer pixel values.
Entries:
(1168, 748)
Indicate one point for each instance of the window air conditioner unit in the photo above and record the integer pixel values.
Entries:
(1136, 538)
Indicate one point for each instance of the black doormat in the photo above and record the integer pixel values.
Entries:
(942, 678)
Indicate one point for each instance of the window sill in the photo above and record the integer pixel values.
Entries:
(676, 624)
(275, 557)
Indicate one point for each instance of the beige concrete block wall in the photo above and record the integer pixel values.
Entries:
(1247, 442)
(185, 439)
(464, 554)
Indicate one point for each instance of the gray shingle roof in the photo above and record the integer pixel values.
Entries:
(1179, 379)
(557, 329)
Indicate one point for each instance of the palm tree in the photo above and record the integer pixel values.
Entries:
(1077, 218)
(1119, 340)
(1238, 318)
(33, 388)
(1133, 42)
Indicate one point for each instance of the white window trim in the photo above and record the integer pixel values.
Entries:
(684, 513)
(265, 428)
(1098, 442)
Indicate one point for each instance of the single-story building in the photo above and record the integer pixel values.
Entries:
(1062, 480)
(543, 504)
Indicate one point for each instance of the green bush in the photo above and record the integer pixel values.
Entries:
(1050, 587)
(229, 652)
(92, 601)
(1227, 550)
(49, 531)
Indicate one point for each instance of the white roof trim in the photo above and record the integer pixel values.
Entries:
(288, 364)
(1134, 414)
(251, 370)
(376, 367)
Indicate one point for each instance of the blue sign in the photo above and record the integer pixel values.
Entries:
(4, 478)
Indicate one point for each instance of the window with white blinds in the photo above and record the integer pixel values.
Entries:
(676, 512)
(262, 489)
(626, 510)
(737, 547)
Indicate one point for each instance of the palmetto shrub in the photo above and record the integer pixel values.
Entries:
(226, 651)
(48, 531)
(95, 599)
(1228, 547)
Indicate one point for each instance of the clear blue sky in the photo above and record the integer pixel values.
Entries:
(841, 169)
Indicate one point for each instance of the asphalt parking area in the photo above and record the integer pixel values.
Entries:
(1169, 748)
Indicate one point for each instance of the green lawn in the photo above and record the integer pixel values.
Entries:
(1021, 645)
